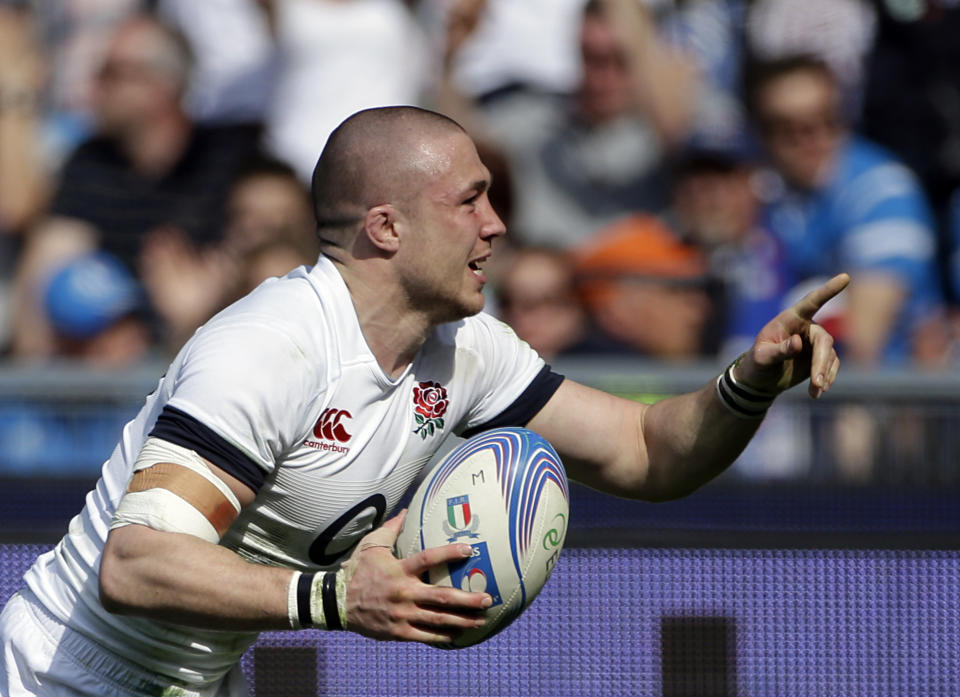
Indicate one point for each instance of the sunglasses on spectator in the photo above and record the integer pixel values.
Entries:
(795, 127)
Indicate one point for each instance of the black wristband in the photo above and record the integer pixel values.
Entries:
(304, 585)
(328, 592)
(745, 402)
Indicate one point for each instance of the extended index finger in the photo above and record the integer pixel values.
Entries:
(810, 303)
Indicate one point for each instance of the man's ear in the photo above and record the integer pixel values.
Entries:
(381, 226)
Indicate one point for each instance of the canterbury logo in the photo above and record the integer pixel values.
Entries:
(329, 425)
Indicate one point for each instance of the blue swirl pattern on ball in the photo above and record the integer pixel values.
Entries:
(525, 463)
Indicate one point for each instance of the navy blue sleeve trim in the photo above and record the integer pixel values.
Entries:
(181, 429)
(526, 406)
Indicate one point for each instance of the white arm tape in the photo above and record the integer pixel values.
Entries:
(161, 509)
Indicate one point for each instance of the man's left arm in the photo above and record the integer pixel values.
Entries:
(669, 449)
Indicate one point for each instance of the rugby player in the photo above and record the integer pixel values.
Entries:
(254, 489)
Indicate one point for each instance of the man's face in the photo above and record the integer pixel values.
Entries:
(800, 124)
(267, 207)
(129, 85)
(605, 90)
(451, 226)
(537, 299)
(716, 207)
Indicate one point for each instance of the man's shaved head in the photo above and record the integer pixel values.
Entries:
(376, 156)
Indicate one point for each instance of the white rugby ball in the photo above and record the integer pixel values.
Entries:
(505, 493)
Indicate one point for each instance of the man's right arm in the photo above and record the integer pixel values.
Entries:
(184, 577)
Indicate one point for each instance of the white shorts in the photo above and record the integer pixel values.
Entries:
(41, 657)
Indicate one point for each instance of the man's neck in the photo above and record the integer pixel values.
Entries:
(154, 149)
(394, 332)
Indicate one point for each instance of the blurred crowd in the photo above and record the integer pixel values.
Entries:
(672, 172)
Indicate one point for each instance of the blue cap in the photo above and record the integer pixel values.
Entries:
(89, 294)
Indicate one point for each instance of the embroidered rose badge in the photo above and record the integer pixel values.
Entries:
(430, 401)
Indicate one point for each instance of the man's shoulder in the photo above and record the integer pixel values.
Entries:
(295, 297)
(862, 157)
(874, 180)
(866, 153)
(279, 339)
(311, 305)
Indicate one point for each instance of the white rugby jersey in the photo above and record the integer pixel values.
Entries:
(281, 390)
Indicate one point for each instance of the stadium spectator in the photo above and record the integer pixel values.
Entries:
(96, 309)
(267, 202)
(647, 289)
(148, 166)
(536, 295)
(268, 222)
(715, 206)
(73, 35)
(582, 160)
(215, 519)
(838, 32)
(846, 203)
